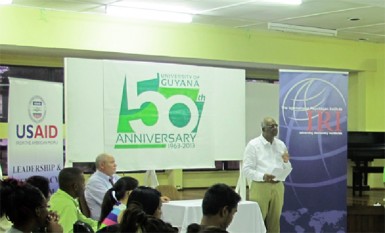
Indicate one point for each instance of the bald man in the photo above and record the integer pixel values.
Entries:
(98, 184)
(262, 155)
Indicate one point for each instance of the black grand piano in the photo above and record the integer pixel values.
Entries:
(364, 147)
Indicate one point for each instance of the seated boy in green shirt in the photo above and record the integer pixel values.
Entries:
(64, 200)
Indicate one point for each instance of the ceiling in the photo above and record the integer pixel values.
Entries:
(254, 15)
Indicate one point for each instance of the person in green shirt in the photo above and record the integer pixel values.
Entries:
(64, 200)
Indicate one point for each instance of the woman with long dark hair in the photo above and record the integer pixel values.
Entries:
(135, 219)
(148, 198)
(115, 200)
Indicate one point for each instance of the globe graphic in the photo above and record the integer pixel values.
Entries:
(313, 124)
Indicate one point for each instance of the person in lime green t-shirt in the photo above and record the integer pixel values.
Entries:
(64, 200)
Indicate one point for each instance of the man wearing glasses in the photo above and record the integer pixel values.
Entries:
(262, 155)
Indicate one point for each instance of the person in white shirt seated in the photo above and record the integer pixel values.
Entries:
(99, 182)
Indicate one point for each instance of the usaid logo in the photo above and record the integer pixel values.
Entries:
(37, 109)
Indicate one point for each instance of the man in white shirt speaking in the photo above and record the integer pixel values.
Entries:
(264, 156)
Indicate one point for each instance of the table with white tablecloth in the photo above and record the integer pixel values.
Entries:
(248, 218)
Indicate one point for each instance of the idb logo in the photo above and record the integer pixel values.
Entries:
(148, 107)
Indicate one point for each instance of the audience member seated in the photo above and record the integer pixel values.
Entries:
(26, 207)
(115, 200)
(64, 202)
(42, 183)
(136, 220)
(99, 182)
(148, 198)
(219, 205)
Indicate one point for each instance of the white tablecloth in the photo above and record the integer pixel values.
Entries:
(180, 214)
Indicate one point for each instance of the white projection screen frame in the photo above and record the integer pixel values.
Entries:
(225, 103)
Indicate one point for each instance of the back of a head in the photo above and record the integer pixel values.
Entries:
(193, 228)
(157, 225)
(68, 176)
(116, 193)
(40, 182)
(217, 197)
(135, 220)
(19, 200)
(126, 183)
(133, 217)
(147, 197)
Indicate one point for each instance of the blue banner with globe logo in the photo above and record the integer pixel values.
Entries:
(313, 124)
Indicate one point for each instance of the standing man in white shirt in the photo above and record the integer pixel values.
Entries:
(262, 155)
(98, 184)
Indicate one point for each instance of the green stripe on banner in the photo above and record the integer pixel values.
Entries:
(136, 146)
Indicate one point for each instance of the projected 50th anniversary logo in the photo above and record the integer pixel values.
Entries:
(162, 111)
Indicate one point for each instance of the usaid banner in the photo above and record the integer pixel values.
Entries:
(154, 115)
(313, 124)
(35, 135)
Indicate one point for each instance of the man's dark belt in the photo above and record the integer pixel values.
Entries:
(272, 181)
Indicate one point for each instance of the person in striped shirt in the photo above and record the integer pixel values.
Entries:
(115, 200)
